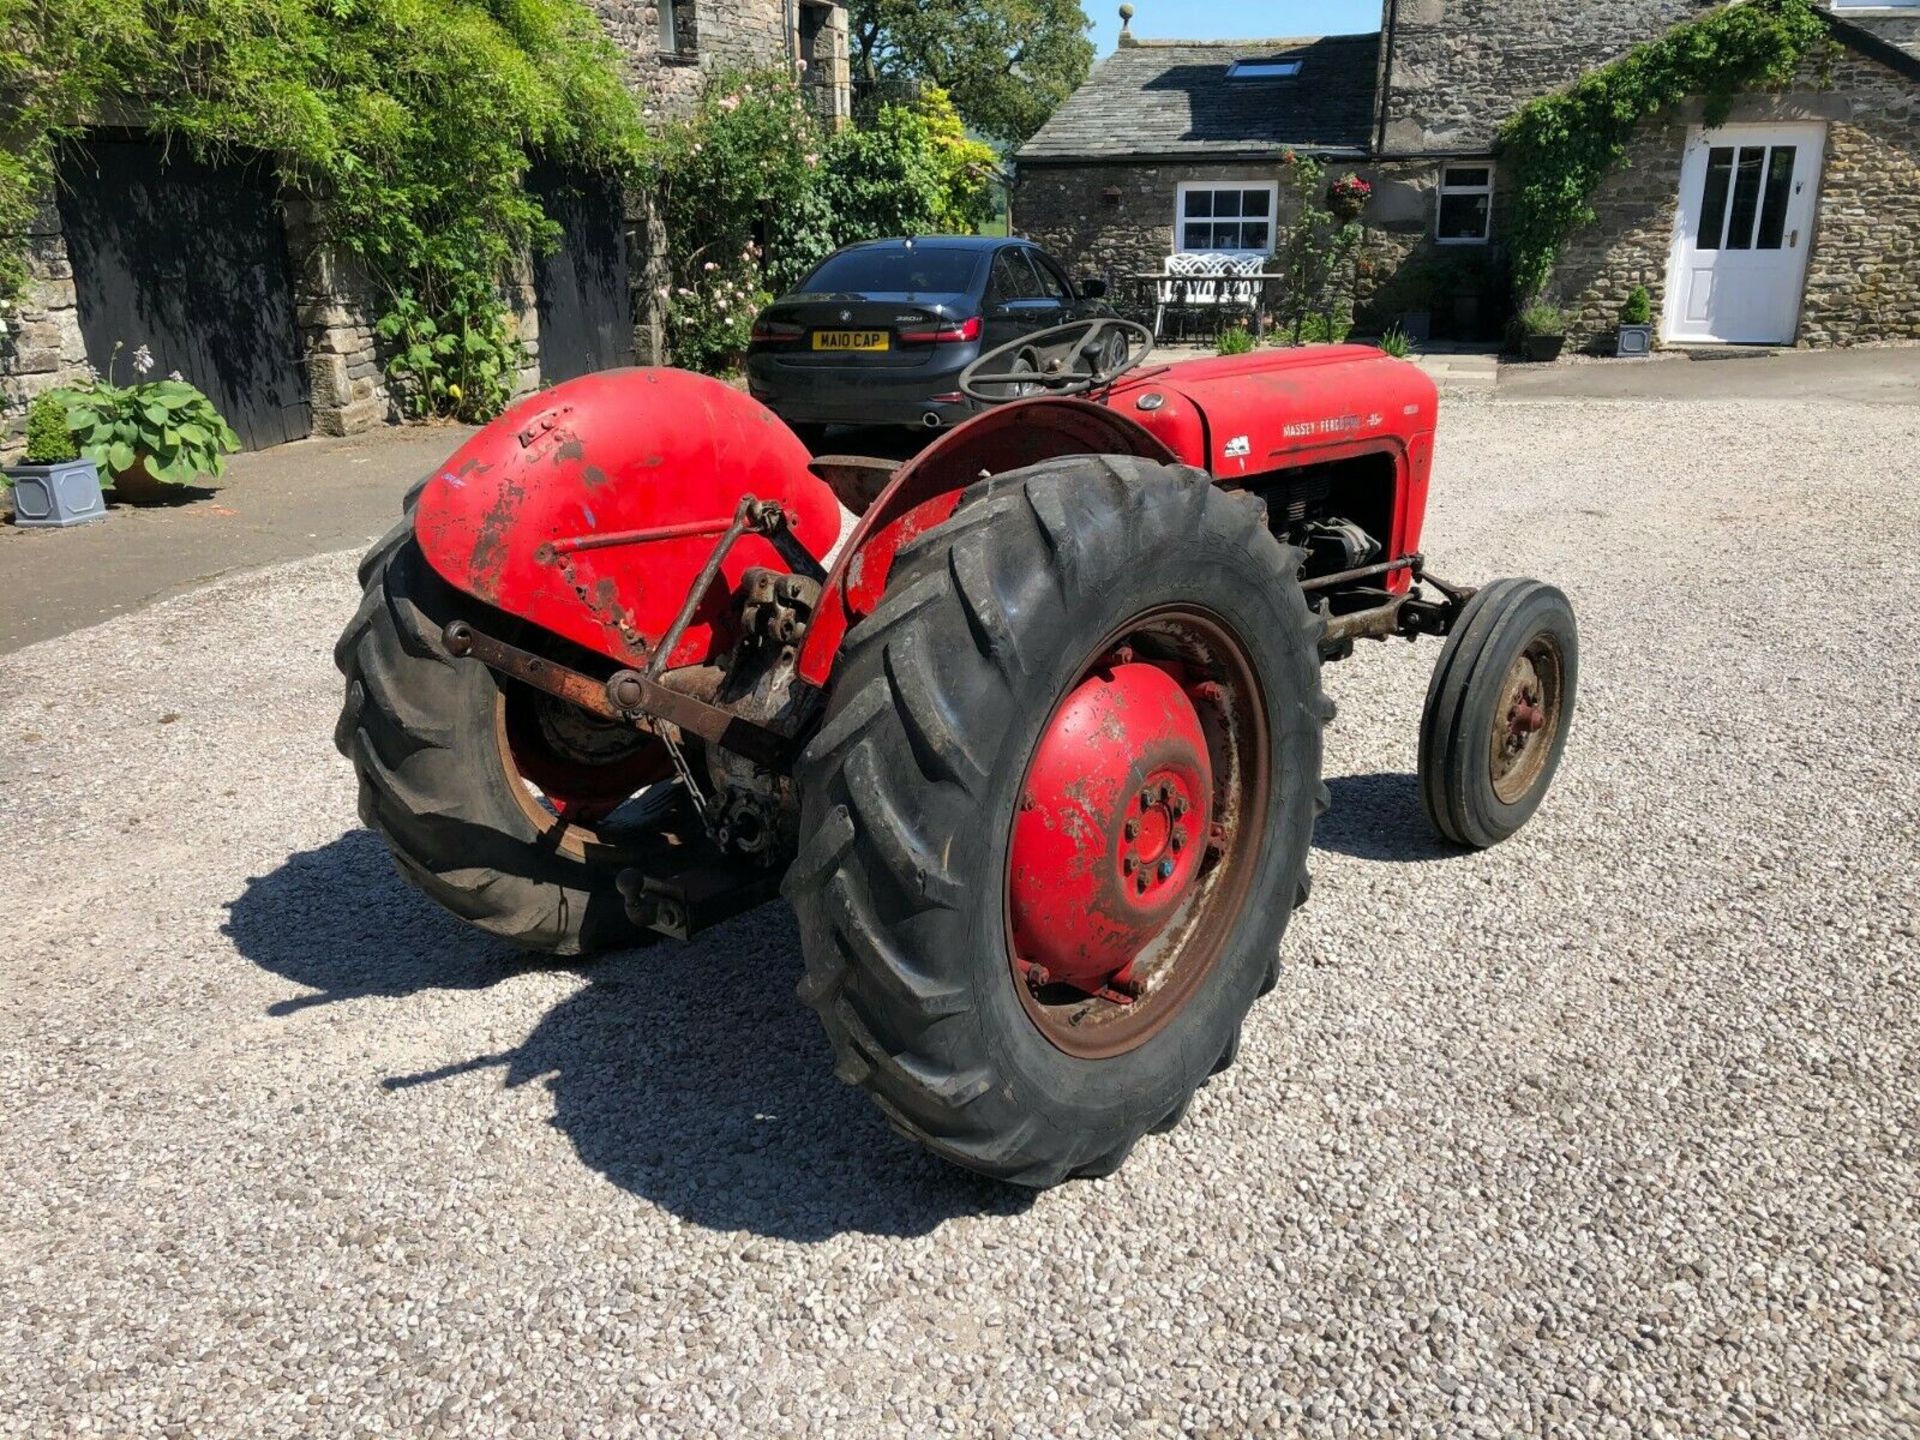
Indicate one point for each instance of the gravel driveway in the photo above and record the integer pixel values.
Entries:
(1612, 1131)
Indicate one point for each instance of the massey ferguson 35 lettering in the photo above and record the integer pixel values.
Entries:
(1027, 729)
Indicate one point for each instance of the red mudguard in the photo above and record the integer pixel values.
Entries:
(604, 456)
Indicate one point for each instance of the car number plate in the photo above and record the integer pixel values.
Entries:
(851, 340)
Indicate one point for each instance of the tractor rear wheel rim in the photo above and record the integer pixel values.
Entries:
(1189, 858)
(1526, 719)
(567, 797)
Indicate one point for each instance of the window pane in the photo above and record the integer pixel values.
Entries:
(1464, 217)
(1256, 236)
(1713, 208)
(1257, 202)
(1773, 214)
(1196, 237)
(1226, 237)
(1199, 203)
(1468, 178)
(1052, 287)
(1746, 197)
(1226, 202)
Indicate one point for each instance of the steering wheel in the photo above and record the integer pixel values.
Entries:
(1105, 343)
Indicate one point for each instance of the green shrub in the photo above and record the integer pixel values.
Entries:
(462, 363)
(168, 423)
(49, 442)
(1236, 341)
(1639, 308)
(1319, 329)
(1396, 343)
(413, 124)
(1541, 318)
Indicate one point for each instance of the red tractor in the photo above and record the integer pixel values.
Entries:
(1027, 728)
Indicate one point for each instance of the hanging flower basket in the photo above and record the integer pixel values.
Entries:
(1347, 198)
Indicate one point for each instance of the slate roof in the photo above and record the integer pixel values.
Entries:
(1173, 98)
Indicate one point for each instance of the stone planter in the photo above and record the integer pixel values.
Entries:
(1543, 349)
(1632, 341)
(54, 496)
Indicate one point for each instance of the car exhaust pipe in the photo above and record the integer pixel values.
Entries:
(931, 420)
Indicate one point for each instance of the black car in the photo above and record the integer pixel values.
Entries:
(879, 332)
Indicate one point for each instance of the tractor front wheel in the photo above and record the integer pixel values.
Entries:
(1058, 812)
(1498, 712)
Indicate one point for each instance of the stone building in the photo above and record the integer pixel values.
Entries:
(225, 276)
(1797, 221)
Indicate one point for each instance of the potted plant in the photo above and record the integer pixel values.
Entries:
(53, 485)
(1636, 325)
(149, 435)
(1347, 198)
(1543, 331)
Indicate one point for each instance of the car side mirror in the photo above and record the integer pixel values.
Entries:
(1093, 288)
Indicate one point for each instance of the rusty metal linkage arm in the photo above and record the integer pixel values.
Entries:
(628, 698)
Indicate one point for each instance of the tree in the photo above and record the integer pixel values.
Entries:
(1008, 64)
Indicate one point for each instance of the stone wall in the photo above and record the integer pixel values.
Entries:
(1863, 272)
(335, 308)
(1863, 277)
(1112, 220)
(1118, 220)
(42, 346)
(1460, 68)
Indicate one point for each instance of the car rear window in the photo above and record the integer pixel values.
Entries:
(896, 272)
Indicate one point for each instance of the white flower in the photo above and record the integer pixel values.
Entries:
(176, 376)
(143, 360)
(710, 267)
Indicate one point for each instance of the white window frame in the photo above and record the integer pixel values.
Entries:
(1443, 190)
(1264, 69)
(1856, 7)
(1192, 187)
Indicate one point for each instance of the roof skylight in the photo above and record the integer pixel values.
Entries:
(1263, 69)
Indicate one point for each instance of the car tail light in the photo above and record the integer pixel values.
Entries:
(968, 329)
(775, 332)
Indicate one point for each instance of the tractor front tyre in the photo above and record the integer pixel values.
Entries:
(432, 740)
(1058, 812)
(1499, 708)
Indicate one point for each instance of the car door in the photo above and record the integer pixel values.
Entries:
(1008, 285)
(1049, 299)
(1023, 305)
(1053, 279)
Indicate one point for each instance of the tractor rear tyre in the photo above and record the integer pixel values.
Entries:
(432, 740)
(1498, 712)
(1058, 812)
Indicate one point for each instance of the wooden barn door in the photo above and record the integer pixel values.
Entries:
(581, 287)
(189, 260)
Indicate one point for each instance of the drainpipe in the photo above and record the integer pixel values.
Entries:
(1386, 75)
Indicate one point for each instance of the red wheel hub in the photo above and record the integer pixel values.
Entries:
(1112, 828)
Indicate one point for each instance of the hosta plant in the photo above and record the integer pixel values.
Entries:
(168, 426)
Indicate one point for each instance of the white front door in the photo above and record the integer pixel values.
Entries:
(1747, 198)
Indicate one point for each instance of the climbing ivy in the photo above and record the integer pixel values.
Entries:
(411, 122)
(1559, 148)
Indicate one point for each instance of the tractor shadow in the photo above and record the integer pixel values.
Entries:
(688, 1075)
(1378, 817)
